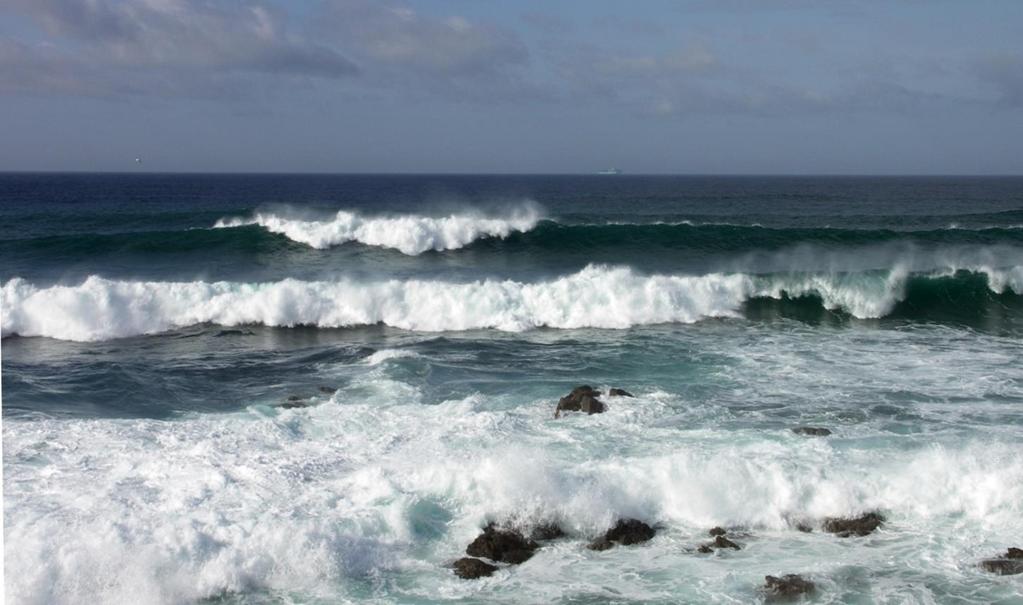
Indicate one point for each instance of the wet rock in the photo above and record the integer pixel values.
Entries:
(468, 568)
(502, 545)
(546, 531)
(582, 399)
(717, 531)
(811, 431)
(294, 401)
(789, 586)
(804, 527)
(720, 541)
(1011, 563)
(857, 526)
(328, 390)
(625, 532)
(619, 393)
(630, 531)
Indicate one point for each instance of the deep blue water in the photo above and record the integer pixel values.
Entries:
(154, 324)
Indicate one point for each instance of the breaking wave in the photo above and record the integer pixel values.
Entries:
(596, 297)
(411, 234)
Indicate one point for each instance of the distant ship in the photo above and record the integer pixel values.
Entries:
(610, 171)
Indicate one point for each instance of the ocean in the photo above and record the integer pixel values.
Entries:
(242, 389)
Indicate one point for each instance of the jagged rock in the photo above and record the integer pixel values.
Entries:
(502, 545)
(857, 526)
(720, 541)
(789, 586)
(717, 531)
(630, 531)
(619, 393)
(582, 399)
(546, 531)
(1011, 563)
(625, 532)
(469, 569)
(811, 431)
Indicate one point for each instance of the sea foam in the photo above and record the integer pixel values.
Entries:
(595, 297)
(411, 234)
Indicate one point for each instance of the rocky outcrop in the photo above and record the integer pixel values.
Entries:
(582, 399)
(720, 541)
(811, 431)
(625, 532)
(545, 532)
(717, 531)
(507, 546)
(1011, 563)
(787, 587)
(616, 392)
(468, 568)
(855, 526)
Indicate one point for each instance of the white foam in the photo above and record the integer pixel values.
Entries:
(383, 355)
(313, 500)
(596, 297)
(411, 234)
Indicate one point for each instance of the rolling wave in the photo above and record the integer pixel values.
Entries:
(411, 234)
(596, 297)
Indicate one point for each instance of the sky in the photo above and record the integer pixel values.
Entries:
(487, 86)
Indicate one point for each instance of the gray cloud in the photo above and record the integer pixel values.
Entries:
(106, 46)
(1004, 73)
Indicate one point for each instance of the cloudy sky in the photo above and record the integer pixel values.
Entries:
(701, 86)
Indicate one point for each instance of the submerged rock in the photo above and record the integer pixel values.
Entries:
(789, 586)
(619, 393)
(811, 431)
(502, 545)
(1011, 563)
(625, 532)
(468, 568)
(720, 541)
(328, 390)
(582, 399)
(857, 526)
(294, 401)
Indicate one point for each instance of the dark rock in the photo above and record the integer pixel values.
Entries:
(630, 531)
(811, 431)
(470, 569)
(723, 542)
(1011, 563)
(328, 390)
(600, 544)
(789, 586)
(294, 401)
(619, 393)
(804, 527)
(591, 406)
(501, 545)
(546, 531)
(857, 526)
(581, 399)
(720, 541)
(717, 531)
(1003, 567)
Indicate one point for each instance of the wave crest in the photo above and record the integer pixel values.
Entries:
(411, 234)
(596, 297)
